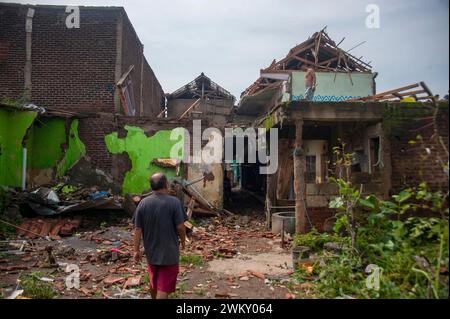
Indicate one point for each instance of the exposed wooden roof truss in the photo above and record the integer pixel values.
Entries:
(320, 52)
(201, 88)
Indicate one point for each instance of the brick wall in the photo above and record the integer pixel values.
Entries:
(132, 51)
(12, 51)
(153, 94)
(92, 132)
(142, 74)
(411, 164)
(74, 69)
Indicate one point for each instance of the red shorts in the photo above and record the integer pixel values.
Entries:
(163, 278)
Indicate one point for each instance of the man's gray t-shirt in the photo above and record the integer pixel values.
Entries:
(158, 216)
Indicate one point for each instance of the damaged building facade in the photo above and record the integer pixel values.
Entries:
(97, 73)
(86, 100)
(73, 97)
(345, 115)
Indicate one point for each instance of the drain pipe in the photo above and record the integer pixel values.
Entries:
(24, 169)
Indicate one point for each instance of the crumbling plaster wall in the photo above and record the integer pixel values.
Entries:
(52, 144)
(142, 150)
(54, 147)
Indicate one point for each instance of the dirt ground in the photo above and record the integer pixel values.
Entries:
(233, 257)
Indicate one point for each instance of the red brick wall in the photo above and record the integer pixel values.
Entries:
(73, 69)
(132, 54)
(12, 50)
(132, 51)
(92, 132)
(410, 162)
(153, 93)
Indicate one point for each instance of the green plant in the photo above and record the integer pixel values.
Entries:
(179, 291)
(412, 252)
(35, 288)
(316, 241)
(199, 291)
(195, 260)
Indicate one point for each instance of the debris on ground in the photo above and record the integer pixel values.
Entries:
(54, 228)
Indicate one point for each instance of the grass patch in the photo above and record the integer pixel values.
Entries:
(35, 288)
(178, 293)
(199, 292)
(195, 260)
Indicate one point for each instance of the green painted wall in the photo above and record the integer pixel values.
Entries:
(331, 90)
(45, 145)
(142, 150)
(14, 126)
(74, 151)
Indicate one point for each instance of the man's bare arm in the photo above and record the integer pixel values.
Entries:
(181, 230)
(137, 244)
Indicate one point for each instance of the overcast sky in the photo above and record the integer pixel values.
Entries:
(231, 40)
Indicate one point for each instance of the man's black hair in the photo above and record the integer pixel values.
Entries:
(158, 181)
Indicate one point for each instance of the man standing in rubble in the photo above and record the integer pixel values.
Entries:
(159, 220)
(310, 82)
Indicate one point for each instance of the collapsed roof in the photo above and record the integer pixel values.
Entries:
(320, 52)
(201, 87)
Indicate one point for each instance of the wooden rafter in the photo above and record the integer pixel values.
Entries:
(423, 94)
(318, 51)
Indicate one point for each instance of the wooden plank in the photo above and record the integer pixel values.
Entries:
(311, 63)
(328, 61)
(193, 105)
(292, 55)
(316, 49)
(161, 114)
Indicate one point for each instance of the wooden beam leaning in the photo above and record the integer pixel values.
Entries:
(189, 110)
(299, 180)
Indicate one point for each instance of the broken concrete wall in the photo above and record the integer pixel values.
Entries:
(52, 144)
(210, 190)
(54, 147)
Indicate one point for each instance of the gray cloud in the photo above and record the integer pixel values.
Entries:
(232, 40)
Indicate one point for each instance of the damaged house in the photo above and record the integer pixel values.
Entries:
(73, 98)
(346, 110)
(84, 102)
(201, 99)
(92, 76)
